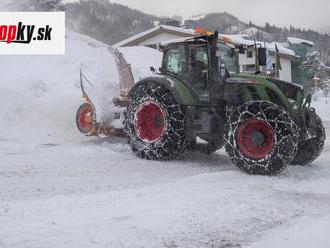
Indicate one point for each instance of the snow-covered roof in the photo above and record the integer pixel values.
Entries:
(178, 40)
(177, 29)
(281, 48)
(166, 42)
(294, 40)
(241, 39)
(236, 39)
(152, 30)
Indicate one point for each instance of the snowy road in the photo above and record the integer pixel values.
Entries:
(96, 193)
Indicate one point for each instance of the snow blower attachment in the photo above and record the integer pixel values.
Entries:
(86, 114)
(86, 117)
(264, 123)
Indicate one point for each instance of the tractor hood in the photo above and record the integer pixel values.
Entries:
(290, 90)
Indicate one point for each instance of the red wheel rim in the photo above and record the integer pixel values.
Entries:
(85, 118)
(150, 122)
(255, 139)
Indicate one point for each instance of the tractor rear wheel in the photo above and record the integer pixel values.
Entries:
(309, 150)
(261, 138)
(155, 123)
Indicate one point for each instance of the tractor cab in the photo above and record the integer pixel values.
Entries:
(200, 57)
(202, 62)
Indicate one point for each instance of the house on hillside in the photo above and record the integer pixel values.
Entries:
(162, 33)
(247, 60)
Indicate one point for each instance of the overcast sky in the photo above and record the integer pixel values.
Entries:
(313, 14)
(300, 13)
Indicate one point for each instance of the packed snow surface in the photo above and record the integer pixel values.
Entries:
(61, 189)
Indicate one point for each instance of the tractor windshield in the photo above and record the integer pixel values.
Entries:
(175, 60)
(228, 56)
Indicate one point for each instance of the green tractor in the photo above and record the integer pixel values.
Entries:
(264, 123)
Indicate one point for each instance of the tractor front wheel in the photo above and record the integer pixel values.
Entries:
(155, 123)
(261, 138)
(309, 150)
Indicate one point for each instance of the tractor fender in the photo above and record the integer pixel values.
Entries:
(179, 90)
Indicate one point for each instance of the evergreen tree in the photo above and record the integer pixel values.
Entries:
(318, 73)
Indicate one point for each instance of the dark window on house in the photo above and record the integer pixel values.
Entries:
(249, 54)
(249, 68)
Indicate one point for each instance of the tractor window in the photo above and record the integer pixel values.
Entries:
(229, 57)
(199, 62)
(175, 60)
(201, 57)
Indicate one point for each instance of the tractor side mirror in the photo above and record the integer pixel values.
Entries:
(262, 56)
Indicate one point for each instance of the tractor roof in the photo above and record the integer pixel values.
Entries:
(189, 40)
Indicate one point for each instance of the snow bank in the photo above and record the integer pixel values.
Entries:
(40, 94)
(322, 107)
(141, 59)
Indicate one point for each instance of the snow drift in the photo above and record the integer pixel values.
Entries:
(40, 94)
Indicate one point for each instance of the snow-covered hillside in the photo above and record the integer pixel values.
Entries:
(60, 189)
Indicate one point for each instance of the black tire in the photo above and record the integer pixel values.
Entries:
(309, 150)
(172, 140)
(261, 138)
